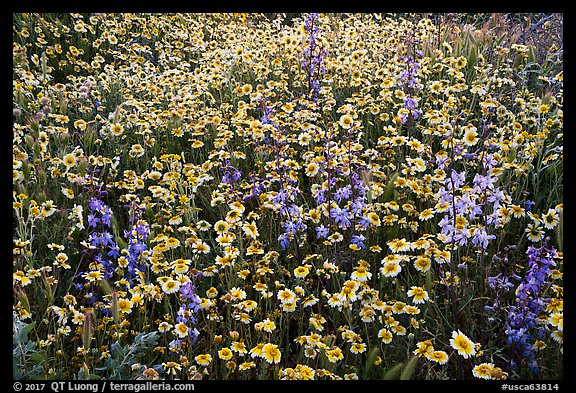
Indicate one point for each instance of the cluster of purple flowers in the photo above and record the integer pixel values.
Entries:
(186, 313)
(285, 198)
(102, 249)
(256, 189)
(352, 196)
(466, 205)
(408, 76)
(500, 284)
(231, 174)
(267, 112)
(346, 203)
(100, 237)
(136, 238)
(408, 80)
(313, 55)
(523, 326)
(291, 213)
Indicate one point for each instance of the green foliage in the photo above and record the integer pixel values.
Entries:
(154, 112)
(123, 357)
(27, 359)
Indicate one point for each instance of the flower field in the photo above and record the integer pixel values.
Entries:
(287, 196)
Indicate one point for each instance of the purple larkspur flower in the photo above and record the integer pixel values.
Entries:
(322, 232)
(284, 240)
(522, 325)
(341, 217)
(358, 240)
(482, 238)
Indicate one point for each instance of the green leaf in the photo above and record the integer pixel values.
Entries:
(370, 359)
(138, 339)
(408, 371)
(392, 373)
(24, 330)
(118, 352)
(151, 338)
(389, 191)
(36, 357)
(560, 231)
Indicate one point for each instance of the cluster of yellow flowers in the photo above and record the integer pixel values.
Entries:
(318, 230)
